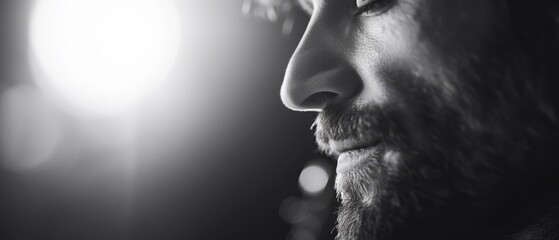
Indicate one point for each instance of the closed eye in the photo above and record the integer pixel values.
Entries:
(372, 6)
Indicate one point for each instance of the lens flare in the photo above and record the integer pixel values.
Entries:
(103, 56)
(313, 179)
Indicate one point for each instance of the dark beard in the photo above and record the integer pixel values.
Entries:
(386, 198)
(455, 159)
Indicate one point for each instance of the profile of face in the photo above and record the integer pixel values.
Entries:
(433, 109)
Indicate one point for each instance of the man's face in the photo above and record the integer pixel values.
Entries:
(422, 103)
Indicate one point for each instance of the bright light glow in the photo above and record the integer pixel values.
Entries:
(313, 179)
(103, 56)
(31, 132)
(293, 210)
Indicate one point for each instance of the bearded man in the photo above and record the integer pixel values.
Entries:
(440, 113)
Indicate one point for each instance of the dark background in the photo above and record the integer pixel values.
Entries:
(247, 161)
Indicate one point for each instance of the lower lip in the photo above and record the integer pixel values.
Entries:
(353, 158)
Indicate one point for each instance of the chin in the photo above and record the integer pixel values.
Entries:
(407, 189)
(382, 198)
(429, 194)
(378, 197)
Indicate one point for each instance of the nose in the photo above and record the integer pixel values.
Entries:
(319, 72)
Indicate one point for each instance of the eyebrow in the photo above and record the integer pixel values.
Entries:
(306, 5)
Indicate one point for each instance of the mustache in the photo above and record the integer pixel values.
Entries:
(353, 121)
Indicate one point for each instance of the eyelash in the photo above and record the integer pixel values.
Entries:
(377, 6)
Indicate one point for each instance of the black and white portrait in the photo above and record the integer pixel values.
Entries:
(279, 119)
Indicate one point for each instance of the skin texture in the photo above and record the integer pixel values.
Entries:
(456, 97)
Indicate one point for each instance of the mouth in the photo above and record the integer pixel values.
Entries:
(339, 147)
(351, 153)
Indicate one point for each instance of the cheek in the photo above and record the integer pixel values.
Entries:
(381, 44)
(426, 43)
(415, 52)
(390, 35)
(456, 28)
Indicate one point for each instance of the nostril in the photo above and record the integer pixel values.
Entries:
(318, 100)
